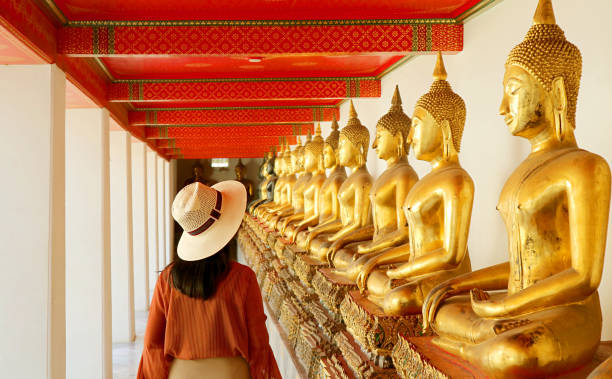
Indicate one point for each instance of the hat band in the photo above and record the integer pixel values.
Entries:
(214, 216)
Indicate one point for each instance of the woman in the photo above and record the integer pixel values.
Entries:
(206, 318)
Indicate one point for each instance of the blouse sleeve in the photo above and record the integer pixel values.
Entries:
(154, 363)
(261, 359)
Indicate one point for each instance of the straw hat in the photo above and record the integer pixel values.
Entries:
(209, 216)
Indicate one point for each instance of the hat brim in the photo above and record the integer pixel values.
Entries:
(208, 243)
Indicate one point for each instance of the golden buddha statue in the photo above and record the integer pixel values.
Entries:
(328, 204)
(281, 169)
(555, 206)
(286, 190)
(314, 165)
(297, 195)
(240, 171)
(386, 196)
(261, 189)
(437, 209)
(354, 193)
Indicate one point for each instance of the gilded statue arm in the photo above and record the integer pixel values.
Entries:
(361, 212)
(287, 220)
(391, 256)
(310, 220)
(457, 215)
(394, 238)
(361, 234)
(489, 279)
(330, 227)
(401, 234)
(588, 198)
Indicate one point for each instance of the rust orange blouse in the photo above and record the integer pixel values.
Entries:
(229, 324)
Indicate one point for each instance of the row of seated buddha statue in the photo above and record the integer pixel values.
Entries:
(402, 240)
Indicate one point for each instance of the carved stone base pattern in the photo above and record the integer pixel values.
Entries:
(331, 288)
(375, 330)
(305, 267)
(358, 361)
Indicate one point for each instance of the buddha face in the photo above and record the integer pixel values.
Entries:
(329, 156)
(427, 136)
(310, 161)
(278, 166)
(386, 144)
(198, 171)
(526, 104)
(347, 152)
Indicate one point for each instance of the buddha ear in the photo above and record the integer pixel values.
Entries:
(559, 103)
(559, 96)
(447, 138)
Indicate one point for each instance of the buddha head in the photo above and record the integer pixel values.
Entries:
(392, 131)
(270, 164)
(330, 149)
(296, 158)
(240, 170)
(198, 170)
(542, 80)
(313, 153)
(438, 120)
(354, 141)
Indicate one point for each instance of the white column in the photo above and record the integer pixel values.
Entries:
(88, 287)
(170, 168)
(122, 264)
(152, 217)
(32, 292)
(139, 225)
(161, 212)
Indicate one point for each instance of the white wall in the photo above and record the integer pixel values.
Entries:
(140, 222)
(88, 287)
(32, 233)
(152, 218)
(122, 260)
(489, 153)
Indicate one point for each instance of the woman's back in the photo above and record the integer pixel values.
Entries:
(231, 323)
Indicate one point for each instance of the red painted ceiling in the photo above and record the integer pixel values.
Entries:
(140, 68)
(240, 67)
(261, 9)
(238, 104)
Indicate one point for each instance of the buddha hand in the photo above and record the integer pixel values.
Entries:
(433, 300)
(364, 274)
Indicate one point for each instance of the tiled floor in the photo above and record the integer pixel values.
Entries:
(126, 356)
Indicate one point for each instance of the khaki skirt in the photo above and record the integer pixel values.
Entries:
(213, 368)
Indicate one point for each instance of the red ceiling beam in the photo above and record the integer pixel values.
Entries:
(217, 153)
(203, 116)
(226, 140)
(187, 132)
(27, 22)
(247, 39)
(245, 89)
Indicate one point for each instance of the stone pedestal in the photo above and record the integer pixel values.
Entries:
(375, 330)
(359, 362)
(419, 357)
(331, 288)
(306, 267)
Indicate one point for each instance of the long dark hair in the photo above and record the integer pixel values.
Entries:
(199, 279)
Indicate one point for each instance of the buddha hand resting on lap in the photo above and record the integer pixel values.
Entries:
(555, 206)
